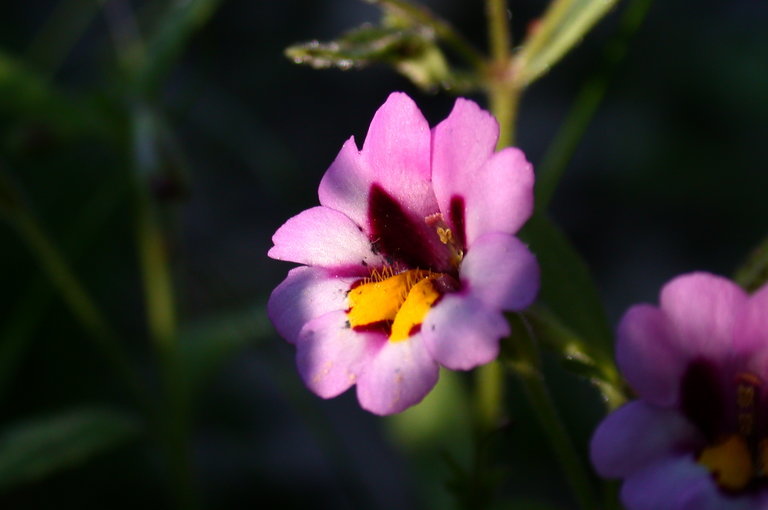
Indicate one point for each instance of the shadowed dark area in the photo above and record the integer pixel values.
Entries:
(703, 401)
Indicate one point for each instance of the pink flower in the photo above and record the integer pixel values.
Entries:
(697, 437)
(410, 258)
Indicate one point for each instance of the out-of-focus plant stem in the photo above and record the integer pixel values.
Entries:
(525, 363)
(152, 246)
(69, 287)
(489, 382)
(586, 103)
(144, 66)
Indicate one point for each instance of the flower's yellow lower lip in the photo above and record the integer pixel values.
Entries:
(737, 459)
(730, 461)
(401, 301)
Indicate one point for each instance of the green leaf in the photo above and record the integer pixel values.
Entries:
(754, 272)
(37, 448)
(410, 50)
(563, 25)
(573, 322)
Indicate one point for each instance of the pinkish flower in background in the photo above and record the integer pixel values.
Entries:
(409, 260)
(697, 437)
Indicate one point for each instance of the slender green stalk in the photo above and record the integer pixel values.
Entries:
(489, 401)
(586, 103)
(503, 93)
(561, 28)
(498, 29)
(489, 383)
(526, 365)
(73, 293)
(28, 312)
(504, 99)
(152, 246)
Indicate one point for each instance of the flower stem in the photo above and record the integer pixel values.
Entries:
(586, 103)
(526, 366)
(489, 386)
(152, 246)
(503, 93)
(69, 287)
(498, 29)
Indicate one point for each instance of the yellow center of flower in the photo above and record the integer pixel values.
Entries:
(399, 301)
(730, 461)
(737, 459)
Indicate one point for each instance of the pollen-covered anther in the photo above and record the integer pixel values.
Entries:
(447, 237)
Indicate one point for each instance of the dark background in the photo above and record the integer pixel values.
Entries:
(669, 177)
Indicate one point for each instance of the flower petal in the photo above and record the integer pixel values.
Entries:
(500, 197)
(648, 356)
(703, 494)
(346, 184)
(702, 310)
(323, 237)
(397, 377)
(638, 434)
(461, 144)
(397, 152)
(306, 293)
(330, 354)
(462, 332)
(501, 271)
(663, 485)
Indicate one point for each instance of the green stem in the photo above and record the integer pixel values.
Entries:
(503, 93)
(489, 400)
(504, 99)
(585, 105)
(526, 365)
(498, 29)
(73, 293)
(152, 246)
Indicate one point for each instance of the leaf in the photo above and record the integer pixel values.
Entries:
(563, 25)
(410, 50)
(38, 448)
(753, 273)
(567, 288)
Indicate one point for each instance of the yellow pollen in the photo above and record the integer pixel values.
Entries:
(419, 301)
(402, 299)
(762, 458)
(730, 461)
(445, 235)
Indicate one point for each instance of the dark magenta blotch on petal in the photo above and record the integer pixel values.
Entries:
(395, 233)
(457, 220)
(702, 398)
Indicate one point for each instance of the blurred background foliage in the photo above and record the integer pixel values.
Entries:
(135, 133)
